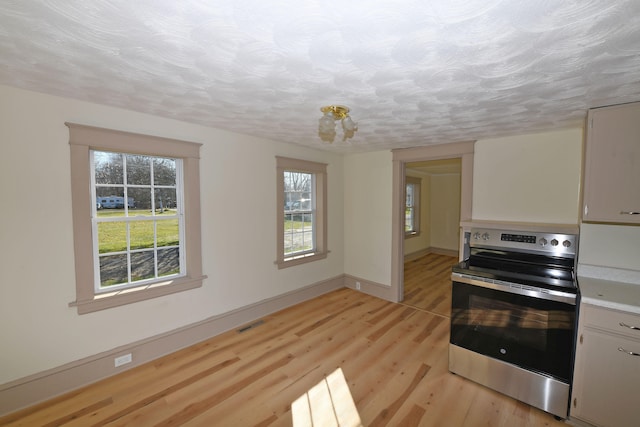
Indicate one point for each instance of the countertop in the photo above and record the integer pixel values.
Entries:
(610, 288)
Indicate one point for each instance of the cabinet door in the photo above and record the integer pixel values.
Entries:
(606, 388)
(612, 167)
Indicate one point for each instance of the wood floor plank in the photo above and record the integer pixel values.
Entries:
(67, 418)
(414, 416)
(387, 413)
(136, 405)
(200, 405)
(427, 283)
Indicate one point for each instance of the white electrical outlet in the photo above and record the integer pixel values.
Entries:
(123, 360)
(358, 285)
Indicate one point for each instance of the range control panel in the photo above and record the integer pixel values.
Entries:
(552, 243)
(506, 237)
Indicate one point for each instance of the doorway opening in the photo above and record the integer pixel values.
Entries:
(432, 232)
(463, 152)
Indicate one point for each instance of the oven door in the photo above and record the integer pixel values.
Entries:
(531, 332)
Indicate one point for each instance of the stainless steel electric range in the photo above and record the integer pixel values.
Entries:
(513, 316)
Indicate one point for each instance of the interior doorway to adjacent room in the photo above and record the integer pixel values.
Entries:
(432, 232)
(410, 159)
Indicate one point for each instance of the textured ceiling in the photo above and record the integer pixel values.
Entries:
(413, 72)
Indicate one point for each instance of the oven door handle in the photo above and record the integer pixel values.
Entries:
(516, 288)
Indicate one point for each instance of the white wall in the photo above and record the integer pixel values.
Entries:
(367, 216)
(38, 330)
(528, 178)
(616, 246)
(525, 178)
(445, 211)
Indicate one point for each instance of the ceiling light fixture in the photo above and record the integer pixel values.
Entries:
(327, 126)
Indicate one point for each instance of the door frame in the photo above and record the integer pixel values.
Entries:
(461, 150)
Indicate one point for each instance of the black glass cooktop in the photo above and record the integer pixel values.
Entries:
(529, 269)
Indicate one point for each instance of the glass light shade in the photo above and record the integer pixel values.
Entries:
(348, 134)
(327, 124)
(348, 124)
(327, 136)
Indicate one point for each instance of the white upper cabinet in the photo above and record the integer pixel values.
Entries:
(612, 165)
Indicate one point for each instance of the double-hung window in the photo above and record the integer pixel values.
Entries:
(136, 216)
(138, 219)
(412, 207)
(302, 228)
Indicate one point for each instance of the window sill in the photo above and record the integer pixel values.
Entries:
(411, 234)
(303, 259)
(141, 293)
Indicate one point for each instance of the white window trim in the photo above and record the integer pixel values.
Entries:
(320, 191)
(82, 139)
(417, 182)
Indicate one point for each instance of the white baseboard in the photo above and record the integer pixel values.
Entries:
(442, 251)
(417, 254)
(48, 384)
(368, 287)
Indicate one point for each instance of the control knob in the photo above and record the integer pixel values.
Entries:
(476, 235)
(566, 243)
(543, 242)
(554, 242)
(485, 236)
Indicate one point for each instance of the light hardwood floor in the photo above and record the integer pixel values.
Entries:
(427, 283)
(393, 358)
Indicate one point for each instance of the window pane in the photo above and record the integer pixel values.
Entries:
(138, 170)
(297, 190)
(110, 201)
(298, 233)
(165, 199)
(113, 270)
(108, 167)
(288, 242)
(141, 234)
(167, 232)
(142, 266)
(408, 219)
(140, 201)
(112, 237)
(307, 229)
(164, 171)
(409, 201)
(168, 261)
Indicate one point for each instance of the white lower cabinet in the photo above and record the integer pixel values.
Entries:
(606, 385)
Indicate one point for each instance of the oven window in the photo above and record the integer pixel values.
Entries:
(533, 333)
(526, 325)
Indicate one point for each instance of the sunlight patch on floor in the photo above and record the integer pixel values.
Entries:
(329, 403)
